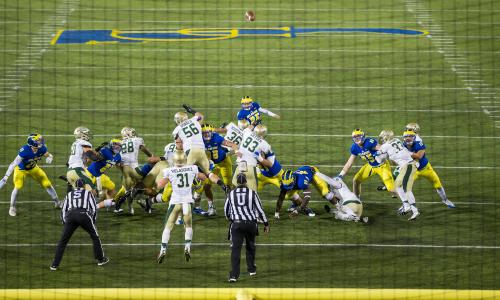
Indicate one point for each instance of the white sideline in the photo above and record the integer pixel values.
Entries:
(330, 245)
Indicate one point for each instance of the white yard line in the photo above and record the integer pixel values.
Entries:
(39, 44)
(248, 86)
(96, 109)
(445, 45)
(242, 9)
(273, 245)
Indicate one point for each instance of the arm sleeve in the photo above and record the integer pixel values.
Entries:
(13, 164)
(258, 207)
(267, 112)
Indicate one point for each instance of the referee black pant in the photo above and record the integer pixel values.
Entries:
(74, 219)
(242, 230)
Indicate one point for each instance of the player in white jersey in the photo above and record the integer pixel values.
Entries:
(234, 133)
(131, 145)
(188, 137)
(251, 147)
(349, 206)
(181, 176)
(76, 160)
(393, 149)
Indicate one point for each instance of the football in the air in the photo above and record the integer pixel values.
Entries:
(250, 16)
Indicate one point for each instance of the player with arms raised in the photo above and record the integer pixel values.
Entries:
(181, 177)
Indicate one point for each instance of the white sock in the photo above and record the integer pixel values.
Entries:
(165, 237)
(158, 198)
(108, 202)
(402, 196)
(211, 204)
(52, 192)
(329, 196)
(411, 197)
(188, 236)
(442, 194)
(13, 197)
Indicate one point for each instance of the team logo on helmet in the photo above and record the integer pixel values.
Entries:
(287, 180)
(246, 102)
(36, 140)
(207, 131)
(82, 133)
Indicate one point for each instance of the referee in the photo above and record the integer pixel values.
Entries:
(79, 209)
(243, 208)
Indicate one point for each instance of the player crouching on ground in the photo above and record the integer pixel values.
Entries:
(349, 207)
(181, 176)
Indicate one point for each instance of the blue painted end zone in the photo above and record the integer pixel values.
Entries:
(85, 36)
(373, 30)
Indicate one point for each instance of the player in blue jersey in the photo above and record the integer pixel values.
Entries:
(299, 180)
(424, 166)
(104, 159)
(25, 164)
(365, 148)
(215, 148)
(251, 111)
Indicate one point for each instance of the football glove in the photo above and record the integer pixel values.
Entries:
(189, 109)
(49, 159)
(276, 215)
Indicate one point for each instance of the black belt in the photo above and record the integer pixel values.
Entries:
(245, 222)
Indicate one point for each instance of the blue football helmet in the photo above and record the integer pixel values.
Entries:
(287, 180)
(36, 140)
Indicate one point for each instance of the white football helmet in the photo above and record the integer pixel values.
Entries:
(128, 132)
(180, 117)
(413, 127)
(385, 136)
(260, 130)
(242, 124)
(82, 133)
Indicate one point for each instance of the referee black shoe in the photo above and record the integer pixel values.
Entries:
(103, 261)
(53, 268)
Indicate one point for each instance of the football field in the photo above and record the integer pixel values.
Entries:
(326, 66)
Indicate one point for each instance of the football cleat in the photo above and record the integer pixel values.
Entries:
(199, 211)
(12, 211)
(103, 261)
(212, 212)
(381, 188)
(231, 280)
(252, 273)
(161, 256)
(292, 207)
(308, 211)
(364, 220)
(53, 268)
(449, 203)
(403, 210)
(187, 254)
(414, 216)
(179, 221)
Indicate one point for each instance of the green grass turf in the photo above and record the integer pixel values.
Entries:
(323, 86)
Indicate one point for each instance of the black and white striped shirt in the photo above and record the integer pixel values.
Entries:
(243, 204)
(79, 198)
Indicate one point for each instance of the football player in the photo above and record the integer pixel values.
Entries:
(76, 161)
(234, 133)
(181, 177)
(189, 139)
(251, 111)
(131, 145)
(104, 158)
(390, 148)
(215, 147)
(25, 164)
(300, 180)
(417, 149)
(365, 148)
(349, 207)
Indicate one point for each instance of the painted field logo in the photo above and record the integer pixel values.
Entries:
(206, 34)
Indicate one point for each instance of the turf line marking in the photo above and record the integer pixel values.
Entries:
(250, 86)
(452, 111)
(27, 59)
(329, 166)
(445, 45)
(332, 245)
(279, 9)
